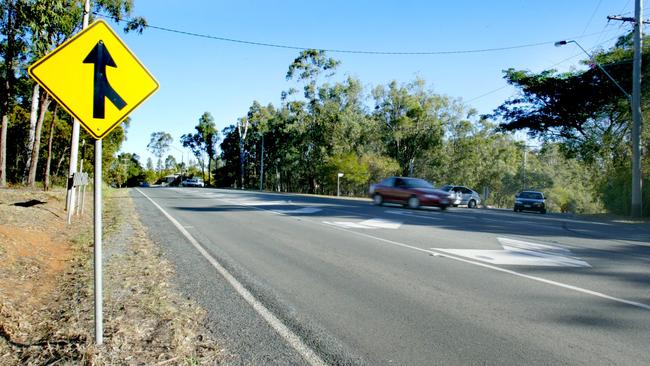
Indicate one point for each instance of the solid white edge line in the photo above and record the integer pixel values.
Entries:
(450, 256)
(294, 341)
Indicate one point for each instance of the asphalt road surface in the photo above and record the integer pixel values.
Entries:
(298, 280)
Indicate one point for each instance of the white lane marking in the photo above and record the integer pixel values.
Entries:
(304, 210)
(484, 265)
(294, 341)
(406, 213)
(521, 253)
(503, 270)
(367, 224)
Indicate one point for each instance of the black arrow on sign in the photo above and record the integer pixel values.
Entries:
(100, 57)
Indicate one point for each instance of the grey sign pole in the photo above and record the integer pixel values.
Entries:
(99, 331)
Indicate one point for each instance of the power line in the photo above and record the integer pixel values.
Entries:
(555, 64)
(592, 16)
(334, 50)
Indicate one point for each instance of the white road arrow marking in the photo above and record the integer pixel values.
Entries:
(304, 210)
(521, 253)
(367, 224)
(410, 214)
(262, 203)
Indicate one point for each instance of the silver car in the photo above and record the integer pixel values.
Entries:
(460, 195)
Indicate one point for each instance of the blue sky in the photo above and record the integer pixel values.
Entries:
(198, 75)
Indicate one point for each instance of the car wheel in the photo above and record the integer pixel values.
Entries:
(516, 209)
(543, 211)
(443, 207)
(471, 204)
(414, 202)
(377, 199)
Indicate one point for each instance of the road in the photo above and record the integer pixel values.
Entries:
(354, 283)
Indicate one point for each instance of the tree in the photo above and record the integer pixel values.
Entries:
(170, 163)
(194, 142)
(159, 145)
(583, 111)
(50, 23)
(412, 119)
(12, 28)
(203, 141)
(307, 69)
(210, 137)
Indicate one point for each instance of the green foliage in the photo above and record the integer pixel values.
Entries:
(29, 29)
(355, 174)
(589, 117)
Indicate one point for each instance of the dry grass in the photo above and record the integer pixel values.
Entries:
(46, 283)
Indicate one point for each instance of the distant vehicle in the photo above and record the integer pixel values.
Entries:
(193, 182)
(530, 201)
(412, 192)
(460, 195)
(144, 184)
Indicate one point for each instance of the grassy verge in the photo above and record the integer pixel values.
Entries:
(146, 321)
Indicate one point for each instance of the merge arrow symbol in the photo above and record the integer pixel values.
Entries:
(100, 57)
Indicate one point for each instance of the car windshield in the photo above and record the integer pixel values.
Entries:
(531, 195)
(418, 183)
(447, 188)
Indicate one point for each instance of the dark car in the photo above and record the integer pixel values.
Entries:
(530, 201)
(412, 192)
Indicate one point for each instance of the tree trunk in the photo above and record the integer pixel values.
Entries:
(241, 163)
(3, 147)
(61, 159)
(46, 183)
(45, 103)
(33, 116)
(5, 100)
(209, 169)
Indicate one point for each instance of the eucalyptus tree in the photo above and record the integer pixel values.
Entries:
(49, 24)
(13, 47)
(159, 145)
(307, 69)
(194, 142)
(411, 119)
(586, 113)
(203, 142)
(210, 137)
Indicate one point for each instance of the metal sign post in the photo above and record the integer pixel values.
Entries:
(97, 218)
(75, 75)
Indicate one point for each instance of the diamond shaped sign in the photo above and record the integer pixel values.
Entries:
(96, 78)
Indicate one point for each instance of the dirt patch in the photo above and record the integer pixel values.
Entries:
(46, 289)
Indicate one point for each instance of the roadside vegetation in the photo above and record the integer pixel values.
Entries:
(578, 123)
(46, 287)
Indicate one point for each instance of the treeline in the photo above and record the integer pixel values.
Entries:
(406, 129)
(35, 135)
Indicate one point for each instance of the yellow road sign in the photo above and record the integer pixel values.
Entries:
(96, 78)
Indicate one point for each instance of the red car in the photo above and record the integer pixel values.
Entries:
(412, 192)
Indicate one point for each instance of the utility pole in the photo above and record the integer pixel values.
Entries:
(524, 171)
(636, 207)
(262, 166)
